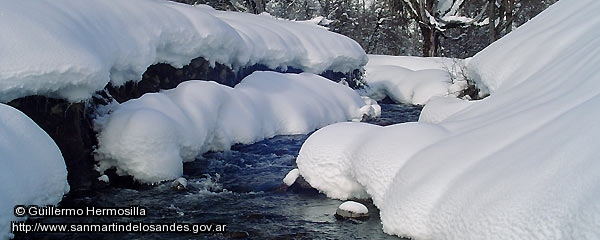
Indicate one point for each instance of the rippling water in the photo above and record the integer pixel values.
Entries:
(237, 188)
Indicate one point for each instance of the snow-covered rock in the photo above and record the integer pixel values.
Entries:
(179, 184)
(104, 178)
(70, 49)
(325, 159)
(412, 80)
(32, 170)
(359, 160)
(352, 209)
(290, 177)
(520, 164)
(150, 137)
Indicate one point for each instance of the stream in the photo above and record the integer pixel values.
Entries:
(239, 189)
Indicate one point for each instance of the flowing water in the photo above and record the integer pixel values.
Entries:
(239, 188)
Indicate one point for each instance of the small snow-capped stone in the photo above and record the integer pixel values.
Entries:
(179, 184)
(291, 177)
(351, 209)
(103, 178)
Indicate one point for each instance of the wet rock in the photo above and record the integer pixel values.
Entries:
(299, 186)
(236, 235)
(352, 210)
(70, 127)
(301, 183)
(163, 76)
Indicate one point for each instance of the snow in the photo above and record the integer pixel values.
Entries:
(71, 49)
(150, 137)
(28, 177)
(324, 159)
(411, 80)
(179, 183)
(412, 63)
(318, 21)
(440, 108)
(520, 164)
(340, 160)
(444, 6)
(291, 177)
(354, 207)
(280, 43)
(457, 19)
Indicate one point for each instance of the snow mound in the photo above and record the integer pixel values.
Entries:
(440, 108)
(70, 49)
(279, 43)
(411, 80)
(324, 159)
(412, 63)
(359, 160)
(149, 138)
(520, 164)
(28, 177)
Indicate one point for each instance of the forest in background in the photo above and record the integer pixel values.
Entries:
(449, 28)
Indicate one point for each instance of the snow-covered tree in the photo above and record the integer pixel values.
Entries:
(294, 9)
(389, 30)
(434, 17)
(452, 28)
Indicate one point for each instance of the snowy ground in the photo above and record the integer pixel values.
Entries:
(33, 171)
(520, 164)
(413, 80)
(149, 138)
(71, 49)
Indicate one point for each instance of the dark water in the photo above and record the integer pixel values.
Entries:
(237, 188)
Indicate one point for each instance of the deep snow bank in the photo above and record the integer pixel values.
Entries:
(32, 169)
(70, 49)
(520, 164)
(413, 80)
(149, 138)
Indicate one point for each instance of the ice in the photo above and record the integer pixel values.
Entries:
(520, 164)
(70, 49)
(149, 138)
(28, 177)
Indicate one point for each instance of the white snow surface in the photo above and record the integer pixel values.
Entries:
(520, 164)
(291, 177)
(411, 80)
(353, 207)
(149, 138)
(28, 177)
(70, 49)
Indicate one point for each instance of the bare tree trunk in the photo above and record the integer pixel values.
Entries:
(492, 20)
(430, 41)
